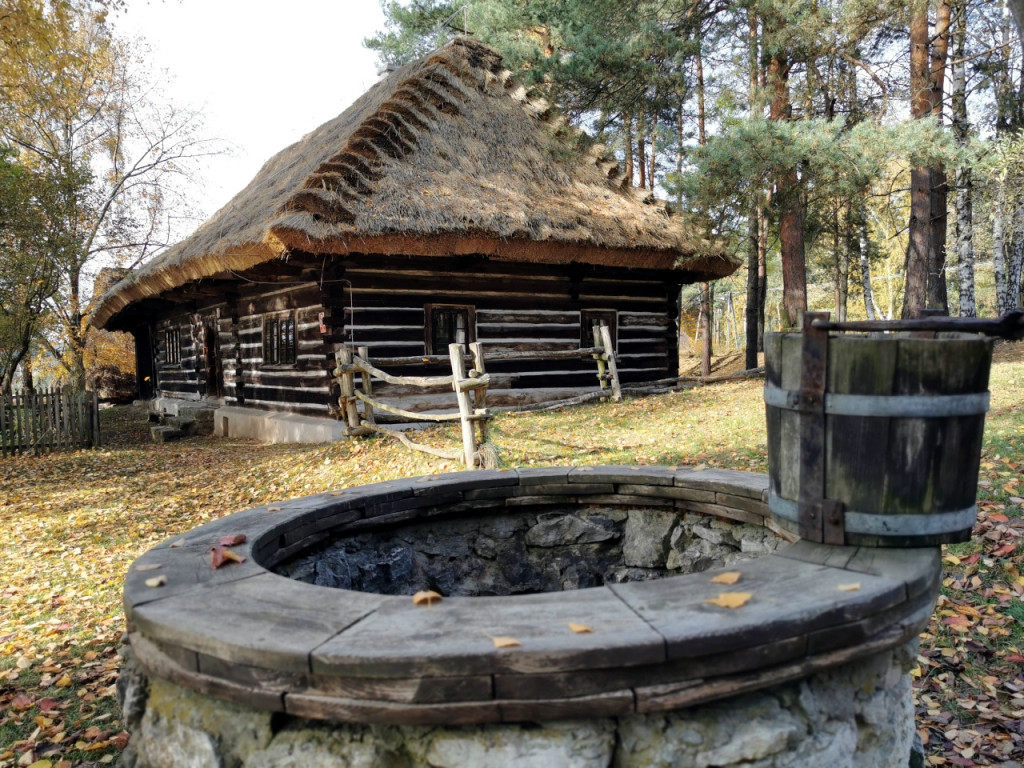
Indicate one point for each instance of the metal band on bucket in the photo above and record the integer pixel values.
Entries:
(923, 524)
(891, 406)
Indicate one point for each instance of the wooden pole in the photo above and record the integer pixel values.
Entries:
(480, 394)
(602, 377)
(346, 381)
(613, 368)
(95, 419)
(367, 381)
(465, 409)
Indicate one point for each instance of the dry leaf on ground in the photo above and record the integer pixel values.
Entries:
(426, 597)
(731, 599)
(729, 577)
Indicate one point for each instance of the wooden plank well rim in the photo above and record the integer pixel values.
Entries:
(247, 635)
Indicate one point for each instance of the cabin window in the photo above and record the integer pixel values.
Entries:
(449, 324)
(172, 346)
(279, 340)
(591, 318)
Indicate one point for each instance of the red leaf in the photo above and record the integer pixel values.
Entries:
(232, 540)
(21, 701)
(1004, 551)
(998, 517)
(220, 555)
(47, 705)
(972, 559)
(1014, 657)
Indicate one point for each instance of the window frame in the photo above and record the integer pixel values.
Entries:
(278, 349)
(429, 322)
(172, 347)
(604, 316)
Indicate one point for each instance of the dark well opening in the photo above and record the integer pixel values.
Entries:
(528, 551)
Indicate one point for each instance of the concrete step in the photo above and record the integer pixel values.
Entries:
(165, 434)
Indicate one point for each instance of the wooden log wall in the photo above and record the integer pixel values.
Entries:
(518, 307)
(378, 302)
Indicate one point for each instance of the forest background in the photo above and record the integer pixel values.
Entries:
(862, 157)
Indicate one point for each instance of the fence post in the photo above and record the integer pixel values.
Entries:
(95, 419)
(613, 368)
(465, 410)
(602, 377)
(367, 381)
(480, 394)
(347, 382)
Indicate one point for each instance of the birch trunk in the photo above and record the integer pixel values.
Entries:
(1015, 262)
(999, 247)
(865, 265)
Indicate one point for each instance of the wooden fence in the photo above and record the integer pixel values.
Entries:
(469, 378)
(48, 421)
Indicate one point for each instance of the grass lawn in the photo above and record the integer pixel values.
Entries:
(72, 523)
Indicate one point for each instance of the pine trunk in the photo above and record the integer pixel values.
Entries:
(791, 223)
(937, 298)
(920, 234)
(754, 311)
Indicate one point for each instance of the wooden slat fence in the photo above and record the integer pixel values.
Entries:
(44, 421)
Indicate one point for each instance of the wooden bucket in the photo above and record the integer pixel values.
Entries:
(886, 452)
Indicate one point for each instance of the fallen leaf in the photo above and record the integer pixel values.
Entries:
(148, 567)
(1005, 550)
(64, 682)
(505, 642)
(232, 540)
(21, 701)
(853, 586)
(180, 542)
(221, 555)
(579, 629)
(731, 599)
(156, 581)
(426, 597)
(998, 517)
(729, 577)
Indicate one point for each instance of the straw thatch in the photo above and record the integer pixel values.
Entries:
(444, 156)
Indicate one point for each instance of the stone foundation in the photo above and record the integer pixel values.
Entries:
(858, 715)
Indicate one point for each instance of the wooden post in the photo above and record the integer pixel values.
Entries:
(613, 368)
(480, 394)
(602, 377)
(367, 381)
(465, 409)
(95, 419)
(346, 382)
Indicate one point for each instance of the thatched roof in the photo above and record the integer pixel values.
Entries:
(447, 155)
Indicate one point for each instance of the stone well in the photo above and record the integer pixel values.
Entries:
(336, 666)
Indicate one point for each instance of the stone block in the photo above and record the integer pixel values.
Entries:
(647, 536)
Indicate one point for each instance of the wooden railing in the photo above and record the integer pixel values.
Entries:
(45, 421)
(469, 380)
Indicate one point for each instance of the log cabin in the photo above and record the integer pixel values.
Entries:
(447, 204)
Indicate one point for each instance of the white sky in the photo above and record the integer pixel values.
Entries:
(263, 73)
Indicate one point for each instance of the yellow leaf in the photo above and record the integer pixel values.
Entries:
(40, 764)
(64, 682)
(156, 581)
(951, 559)
(579, 629)
(731, 599)
(729, 577)
(853, 586)
(506, 642)
(426, 597)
